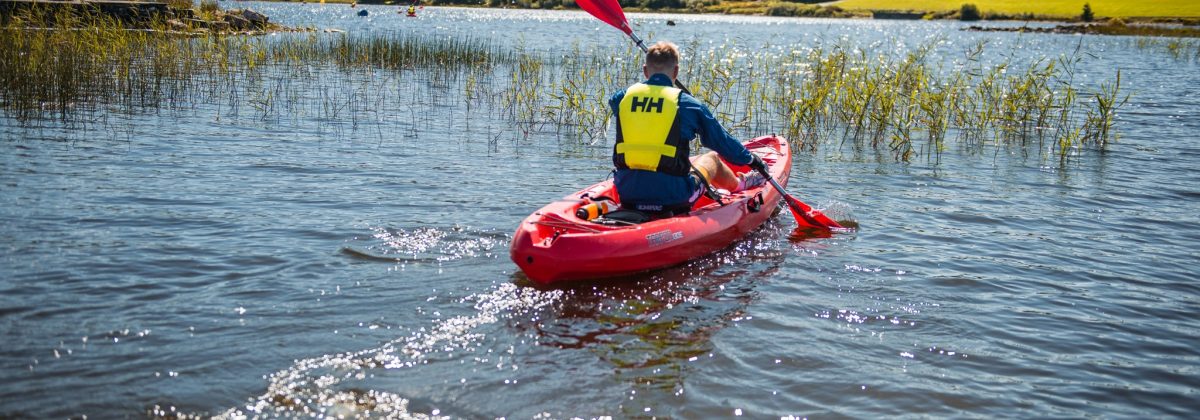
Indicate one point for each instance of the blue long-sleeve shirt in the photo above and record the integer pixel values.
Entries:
(655, 188)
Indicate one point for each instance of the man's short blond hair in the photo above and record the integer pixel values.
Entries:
(662, 57)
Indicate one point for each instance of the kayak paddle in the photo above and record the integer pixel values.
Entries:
(805, 215)
(610, 12)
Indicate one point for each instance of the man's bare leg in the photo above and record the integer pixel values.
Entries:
(719, 175)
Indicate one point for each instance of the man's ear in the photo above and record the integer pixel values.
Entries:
(675, 73)
(645, 71)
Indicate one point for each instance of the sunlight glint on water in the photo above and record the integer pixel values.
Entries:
(187, 260)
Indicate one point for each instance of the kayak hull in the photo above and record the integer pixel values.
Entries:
(553, 245)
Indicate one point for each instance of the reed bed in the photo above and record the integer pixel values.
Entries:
(836, 98)
(48, 69)
(1179, 48)
(840, 97)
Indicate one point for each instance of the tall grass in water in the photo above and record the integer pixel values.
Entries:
(390, 51)
(72, 66)
(1179, 48)
(898, 107)
(63, 63)
(1004, 103)
(843, 97)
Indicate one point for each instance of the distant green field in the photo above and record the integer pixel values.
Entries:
(1102, 8)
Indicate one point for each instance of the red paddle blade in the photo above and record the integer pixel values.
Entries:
(608, 11)
(807, 216)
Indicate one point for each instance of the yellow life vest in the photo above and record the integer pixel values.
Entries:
(648, 131)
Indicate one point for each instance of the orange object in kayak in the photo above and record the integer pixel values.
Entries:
(554, 245)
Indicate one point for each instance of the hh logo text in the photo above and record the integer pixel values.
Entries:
(646, 104)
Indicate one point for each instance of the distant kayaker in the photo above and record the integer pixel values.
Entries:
(655, 124)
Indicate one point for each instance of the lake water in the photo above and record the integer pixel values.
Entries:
(193, 262)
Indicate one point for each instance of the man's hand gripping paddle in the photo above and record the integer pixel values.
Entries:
(805, 216)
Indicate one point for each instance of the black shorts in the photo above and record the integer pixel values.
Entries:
(701, 184)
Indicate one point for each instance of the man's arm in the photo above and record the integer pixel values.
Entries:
(713, 135)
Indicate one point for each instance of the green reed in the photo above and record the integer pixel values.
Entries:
(832, 97)
(571, 107)
(843, 97)
(1178, 48)
(75, 65)
(54, 63)
(1098, 125)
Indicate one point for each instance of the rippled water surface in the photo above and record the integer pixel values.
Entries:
(215, 263)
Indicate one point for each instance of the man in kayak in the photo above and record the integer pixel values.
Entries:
(655, 124)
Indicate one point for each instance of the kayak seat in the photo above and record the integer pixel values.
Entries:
(624, 217)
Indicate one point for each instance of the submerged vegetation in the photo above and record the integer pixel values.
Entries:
(1183, 49)
(834, 97)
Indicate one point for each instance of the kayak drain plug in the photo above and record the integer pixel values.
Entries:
(529, 259)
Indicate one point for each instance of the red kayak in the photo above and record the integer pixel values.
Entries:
(554, 245)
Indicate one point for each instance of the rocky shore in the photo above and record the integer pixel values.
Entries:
(152, 15)
(234, 21)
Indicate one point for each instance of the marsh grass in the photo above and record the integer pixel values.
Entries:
(898, 107)
(1178, 48)
(72, 66)
(208, 9)
(59, 63)
(889, 104)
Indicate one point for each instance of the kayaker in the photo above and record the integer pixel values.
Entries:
(655, 124)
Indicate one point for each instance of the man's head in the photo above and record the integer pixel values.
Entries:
(662, 57)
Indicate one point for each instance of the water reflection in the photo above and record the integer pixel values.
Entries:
(651, 327)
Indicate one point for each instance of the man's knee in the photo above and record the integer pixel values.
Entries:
(714, 169)
(709, 162)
